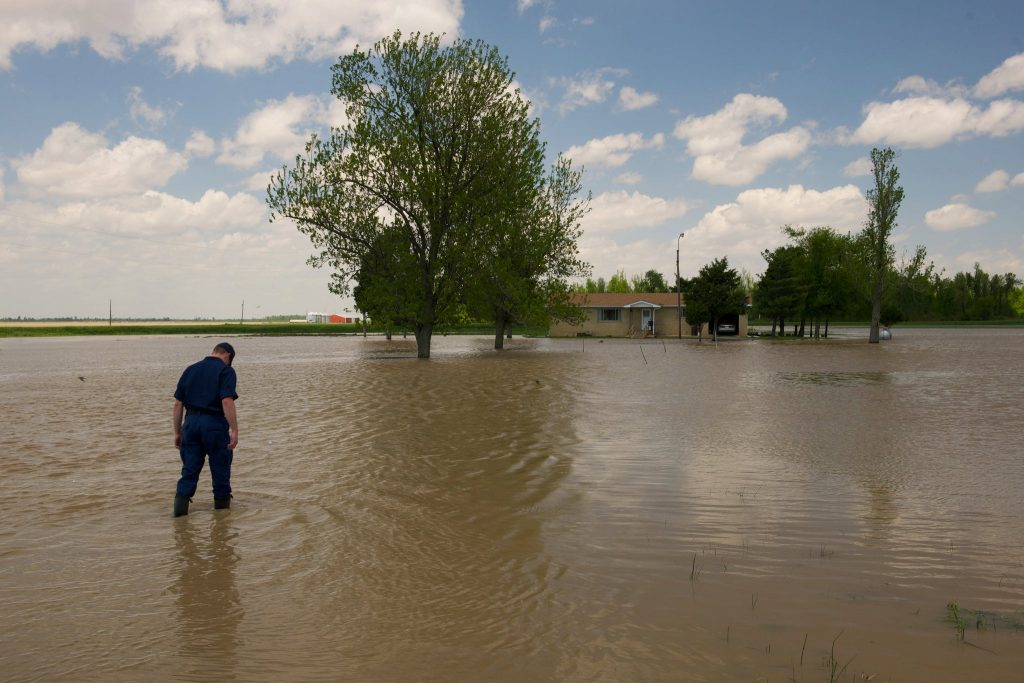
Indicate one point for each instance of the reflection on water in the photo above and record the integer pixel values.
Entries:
(836, 378)
(208, 601)
(560, 511)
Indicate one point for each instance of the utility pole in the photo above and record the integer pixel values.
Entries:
(679, 289)
(110, 313)
(242, 319)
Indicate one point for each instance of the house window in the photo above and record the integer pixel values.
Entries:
(609, 314)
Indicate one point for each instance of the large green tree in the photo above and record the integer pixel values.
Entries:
(386, 282)
(436, 152)
(826, 275)
(884, 200)
(716, 291)
(782, 290)
(530, 254)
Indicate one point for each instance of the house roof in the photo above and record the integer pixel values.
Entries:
(631, 300)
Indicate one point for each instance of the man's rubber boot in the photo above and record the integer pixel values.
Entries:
(181, 505)
(222, 503)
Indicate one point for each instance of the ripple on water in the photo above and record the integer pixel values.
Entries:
(558, 512)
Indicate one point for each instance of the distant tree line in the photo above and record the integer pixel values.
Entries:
(818, 277)
(651, 281)
(821, 276)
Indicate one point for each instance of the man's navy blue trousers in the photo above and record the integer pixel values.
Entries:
(205, 434)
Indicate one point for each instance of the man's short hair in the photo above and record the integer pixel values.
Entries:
(224, 347)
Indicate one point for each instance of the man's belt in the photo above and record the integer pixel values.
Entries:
(189, 410)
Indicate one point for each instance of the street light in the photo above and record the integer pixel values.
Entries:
(679, 289)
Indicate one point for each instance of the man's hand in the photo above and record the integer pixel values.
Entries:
(228, 404)
(179, 413)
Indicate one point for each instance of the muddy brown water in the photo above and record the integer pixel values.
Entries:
(560, 511)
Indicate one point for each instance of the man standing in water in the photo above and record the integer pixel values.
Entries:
(205, 397)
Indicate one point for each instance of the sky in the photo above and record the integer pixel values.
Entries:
(138, 136)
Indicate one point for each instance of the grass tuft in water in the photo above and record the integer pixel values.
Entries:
(953, 616)
(962, 617)
(834, 670)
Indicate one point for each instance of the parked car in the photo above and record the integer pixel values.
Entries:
(726, 328)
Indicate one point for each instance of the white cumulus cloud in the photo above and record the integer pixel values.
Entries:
(143, 113)
(928, 122)
(587, 88)
(258, 182)
(219, 35)
(631, 100)
(918, 85)
(200, 144)
(1007, 77)
(859, 167)
(613, 150)
(280, 129)
(739, 230)
(956, 217)
(623, 211)
(993, 260)
(154, 213)
(608, 255)
(1002, 118)
(160, 255)
(716, 141)
(995, 181)
(73, 162)
(914, 122)
(742, 229)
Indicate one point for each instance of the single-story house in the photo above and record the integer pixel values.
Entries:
(639, 315)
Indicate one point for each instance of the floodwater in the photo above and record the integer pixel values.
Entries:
(560, 511)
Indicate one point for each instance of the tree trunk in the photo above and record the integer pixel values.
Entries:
(775, 321)
(499, 330)
(801, 335)
(423, 334)
(387, 333)
(826, 328)
(782, 327)
(876, 309)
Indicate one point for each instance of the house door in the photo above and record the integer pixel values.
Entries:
(647, 320)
